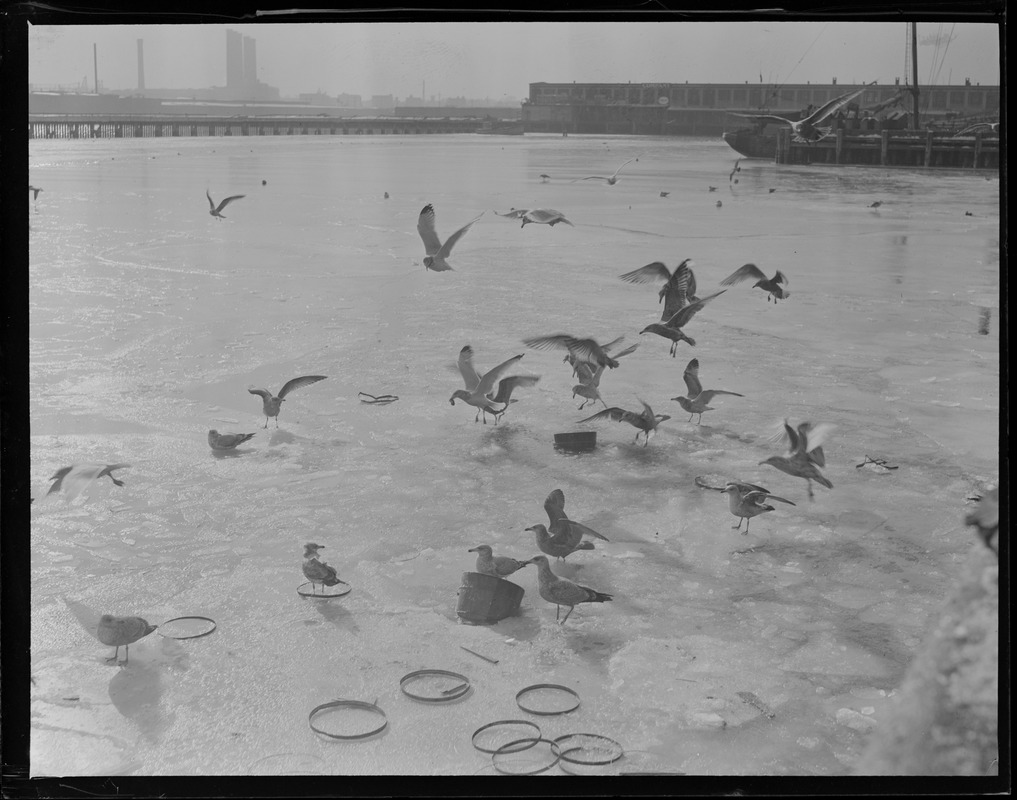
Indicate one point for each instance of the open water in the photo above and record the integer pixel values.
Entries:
(150, 320)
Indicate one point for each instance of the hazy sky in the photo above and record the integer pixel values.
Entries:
(501, 59)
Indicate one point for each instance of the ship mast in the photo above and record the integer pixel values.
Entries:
(914, 76)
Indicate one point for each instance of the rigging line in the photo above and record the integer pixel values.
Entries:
(797, 63)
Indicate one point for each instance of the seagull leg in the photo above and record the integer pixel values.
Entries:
(739, 525)
(811, 496)
(690, 417)
(266, 423)
(557, 612)
(571, 609)
(127, 653)
(747, 521)
(116, 653)
(700, 422)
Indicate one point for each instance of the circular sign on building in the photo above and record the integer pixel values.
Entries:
(662, 101)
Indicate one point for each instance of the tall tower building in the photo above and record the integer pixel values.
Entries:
(250, 64)
(141, 65)
(234, 61)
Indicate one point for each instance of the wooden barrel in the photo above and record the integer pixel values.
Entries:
(485, 598)
(578, 442)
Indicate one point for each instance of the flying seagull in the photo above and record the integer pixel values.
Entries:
(805, 453)
(611, 180)
(76, 478)
(272, 405)
(514, 213)
(581, 350)
(544, 216)
(35, 192)
(746, 500)
(807, 130)
(772, 286)
(679, 287)
(697, 401)
(646, 421)
(672, 329)
(481, 391)
(435, 251)
(215, 210)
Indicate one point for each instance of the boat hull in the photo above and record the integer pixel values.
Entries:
(750, 144)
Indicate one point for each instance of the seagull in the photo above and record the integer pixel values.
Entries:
(581, 350)
(574, 362)
(697, 401)
(772, 191)
(736, 169)
(646, 421)
(712, 188)
(480, 390)
(807, 130)
(76, 478)
(719, 203)
(612, 180)
(272, 405)
(499, 566)
(770, 285)
(35, 192)
(227, 441)
(563, 530)
(746, 500)
(679, 288)
(215, 210)
(991, 127)
(563, 592)
(805, 454)
(589, 384)
(672, 329)
(664, 194)
(985, 518)
(544, 216)
(121, 632)
(317, 571)
(877, 204)
(514, 213)
(435, 251)
(554, 545)
(544, 178)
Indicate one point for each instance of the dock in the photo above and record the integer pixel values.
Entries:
(893, 148)
(114, 126)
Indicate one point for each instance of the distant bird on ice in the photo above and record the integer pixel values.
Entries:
(76, 478)
(490, 564)
(611, 180)
(35, 192)
(646, 421)
(215, 210)
(772, 286)
(563, 592)
(877, 204)
(805, 453)
(807, 130)
(985, 518)
(664, 194)
(435, 251)
(544, 216)
(544, 178)
(227, 441)
(318, 571)
(712, 188)
(746, 500)
(121, 632)
(272, 405)
(720, 203)
(697, 400)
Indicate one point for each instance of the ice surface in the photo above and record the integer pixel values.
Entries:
(149, 320)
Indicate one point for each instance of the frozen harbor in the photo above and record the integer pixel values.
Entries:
(150, 320)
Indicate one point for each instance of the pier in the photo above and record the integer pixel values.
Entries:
(93, 126)
(893, 148)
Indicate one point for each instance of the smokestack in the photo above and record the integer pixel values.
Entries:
(95, 65)
(141, 65)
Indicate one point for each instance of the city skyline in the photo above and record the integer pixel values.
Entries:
(499, 60)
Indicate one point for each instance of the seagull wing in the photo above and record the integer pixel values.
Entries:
(780, 277)
(630, 349)
(743, 272)
(584, 374)
(615, 174)
(709, 394)
(607, 347)
(781, 499)
(297, 383)
(593, 178)
(491, 377)
(588, 350)
(657, 271)
(554, 505)
(556, 341)
(425, 227)
(508, 385)
(682, 316)
(450, 242)
(617, 414)
(814, 437)
(264, 393)
(211, 203)
(465, 363)
(833, 106)
(771, 117)
(691, 376)
(578, 528)
(229, 200)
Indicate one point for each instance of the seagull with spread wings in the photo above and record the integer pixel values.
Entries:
(805, 453)
(486, 392)
(697, 400)
(216, 210)
(580, 350)
(271, 405)
(775, 287)
(611, 180)
(672, 328)
(679, 287)
(746, 500)
(73, 480)
(544, 216)
(646, 421)
(435, 251)
(807, 130)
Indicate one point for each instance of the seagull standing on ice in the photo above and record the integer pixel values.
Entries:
(435, 251)
(121, 632)
(697, 400)
(746, 500)
(807, 131)
(228, 441)
(317, 571)
(563, 592)
(215, 210)
(772, 286)
(272, 405)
